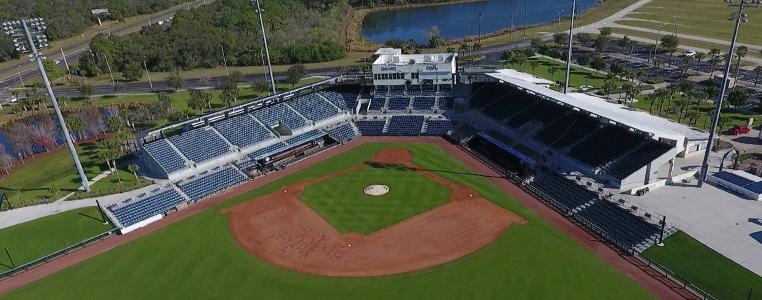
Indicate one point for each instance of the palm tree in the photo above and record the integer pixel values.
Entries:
(708, 93)
(757, 69)
(534, 64)
(714, 60)
(553, 70)
(651, 99)
(134, 169)
(741, 51)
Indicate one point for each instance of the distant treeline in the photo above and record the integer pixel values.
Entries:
(68, 18)
(297, 32)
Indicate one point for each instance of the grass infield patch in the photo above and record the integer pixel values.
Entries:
(342, 203)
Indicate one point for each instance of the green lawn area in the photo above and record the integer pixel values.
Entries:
(36, 175)
(708, 18)
(704, 267)
(578, 76)
(704, 119)
(32, 240)
(683, 42)
(197, 258)
(342, 203)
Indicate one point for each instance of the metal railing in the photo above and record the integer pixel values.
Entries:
(56, 254)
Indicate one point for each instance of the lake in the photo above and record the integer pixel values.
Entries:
(462, 19)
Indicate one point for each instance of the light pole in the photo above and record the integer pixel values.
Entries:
(267, 51)
(110, 74)
(19, 74)
(558, 25)
(63, 55)
(14, 29)
(569, 53)
(224, 61)
(150, 83)
(510, 33)
(525, 18)
(479, 37)
(739, 17)
(677, 25)
(656, 42)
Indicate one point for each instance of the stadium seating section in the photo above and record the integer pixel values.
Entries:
(405, 125)
(423, 103)
(188, 143)
(269, 150)
(343, 133)
(606, 145)
(141, 209)
(349, 94)
(371, 127)
(618, 225)
(162, 153)
(438, 127)
(542, 111)
(567, 130)
(567, 194)
(338, 100)
(242, 130)
(398, 103)
(280, 113)
(313, 107)
(638, 159)
(210, 183)
(377, 104)
(445, 103)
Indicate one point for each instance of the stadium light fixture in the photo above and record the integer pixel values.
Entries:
(569, 52)
(739, 17)
(34, 31)
(267, 51)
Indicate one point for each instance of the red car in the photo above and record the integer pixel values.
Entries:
(739, 130)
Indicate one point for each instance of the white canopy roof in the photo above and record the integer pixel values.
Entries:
(640, 120)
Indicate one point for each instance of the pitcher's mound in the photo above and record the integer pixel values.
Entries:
(376, 190)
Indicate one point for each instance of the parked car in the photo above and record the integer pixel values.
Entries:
(736, 130)
(689, 53)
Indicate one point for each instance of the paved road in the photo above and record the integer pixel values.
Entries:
(28, 69)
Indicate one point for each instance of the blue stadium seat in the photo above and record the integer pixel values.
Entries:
(200, 144)
(338, 99)
(398, 103)
(377, 104)
(280, 113)
(165, 155)
(212, 183)
(371, 127)
(343, 133)
(141, 209)
(423, 103)
(242, 130)
(438, 127)
(313, 107)
(405, 125)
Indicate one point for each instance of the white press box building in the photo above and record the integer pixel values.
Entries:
(396, 72)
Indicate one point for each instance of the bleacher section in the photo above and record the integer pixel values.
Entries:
(542, 111)
(423, 103)
(567, 194)
(634, 161)
(349, 94)
(210, 183)
(445, 103)
(398, 103)
(376, 104)
(438, 127)
(618, 225)
(343, 133)
(313, 107)
(167, 158)
(242, 130)
(606, 145)
(338, 100)
(405, 125)
(567, 130)
(141, 209)
(371, 127)
(200, 144)
(274, 115)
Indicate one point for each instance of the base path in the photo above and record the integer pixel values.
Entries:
(654, 282)
(282, 230)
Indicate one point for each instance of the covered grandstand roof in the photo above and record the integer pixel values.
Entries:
(640, 120)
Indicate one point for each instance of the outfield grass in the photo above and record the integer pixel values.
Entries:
(708, 18)
(197, 258)
(32, 240)
(704, 267)
(577, 76)
(30, 183)
(342, 203)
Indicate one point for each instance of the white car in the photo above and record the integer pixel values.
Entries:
(689, 53)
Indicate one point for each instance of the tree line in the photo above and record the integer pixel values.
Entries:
(225, 32)
(66, 18)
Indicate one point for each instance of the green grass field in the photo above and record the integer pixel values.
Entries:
(29, 184)
(704, 267)
(342, 203)
(577, 76)
(197, 258)
(703, 121)
(32, 240)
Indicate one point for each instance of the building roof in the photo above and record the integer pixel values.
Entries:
(524, 76)
(637, 119)
(390, 56)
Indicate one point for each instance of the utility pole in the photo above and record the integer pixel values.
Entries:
(569, 53)
(63, 55)
(109, 68)
(148, 74)
(267, 51)
(739, 17)
(525, 19)
(19, 74)
(510, 33)
(224, 61)
(12, 29)
(479, 37)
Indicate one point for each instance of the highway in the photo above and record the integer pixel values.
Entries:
(28, 70)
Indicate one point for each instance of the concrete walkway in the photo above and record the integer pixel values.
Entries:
(29, 213)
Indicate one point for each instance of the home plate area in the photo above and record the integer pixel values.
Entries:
(283, 230)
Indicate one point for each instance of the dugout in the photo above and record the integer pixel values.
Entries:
(501, 154)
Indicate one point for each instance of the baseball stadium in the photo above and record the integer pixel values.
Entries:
(415, 183)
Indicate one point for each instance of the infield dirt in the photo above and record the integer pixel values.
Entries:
(282, 230)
